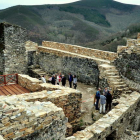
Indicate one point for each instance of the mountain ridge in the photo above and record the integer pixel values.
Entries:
(82, 23)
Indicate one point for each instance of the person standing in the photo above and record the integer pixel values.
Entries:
(97, 98)
(108, 101)
(70, 79)
(58, 79)
(43, 79)
(74, 81)
(105, 91)
(102, 103)
(63, 80)
(53, 80)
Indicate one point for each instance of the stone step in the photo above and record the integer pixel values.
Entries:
(111, 74)
(114, 77)
(128, 92)
(120, 86)
(123, 89)
(111, 71)
(115, 80)
(118, 83)
(107, 66)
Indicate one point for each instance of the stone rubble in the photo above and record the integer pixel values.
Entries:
(20, 118)
(112, 121)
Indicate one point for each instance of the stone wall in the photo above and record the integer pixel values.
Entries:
(1, 49)
(31, 50)
(81, 50)
(66, 98)
(128, 61)
(114, 123)
(131, 84)
(1, 63)
(21, 120)
(14, 49)
(52, 62)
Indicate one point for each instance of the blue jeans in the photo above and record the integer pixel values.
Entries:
(97, 102)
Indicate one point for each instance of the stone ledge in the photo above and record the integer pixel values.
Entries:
(66, 98)
(62, 53)
(81, 50)
(111, 121)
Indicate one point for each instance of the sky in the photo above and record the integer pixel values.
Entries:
(8, 3)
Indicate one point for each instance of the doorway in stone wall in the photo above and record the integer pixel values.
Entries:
(112, 136)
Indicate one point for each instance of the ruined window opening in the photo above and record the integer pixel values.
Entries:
(121, 121)
(112, 136)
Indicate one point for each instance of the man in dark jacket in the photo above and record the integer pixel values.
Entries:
(97, 96)
(63, 80)
(108, 100)
(53, 80)
(70, 79)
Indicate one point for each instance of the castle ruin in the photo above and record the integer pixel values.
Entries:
(46, 112)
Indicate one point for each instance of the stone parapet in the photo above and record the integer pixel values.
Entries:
(113, 122)
(81, 50)
(32, 84)
(31, 46)
(132, 85)
(66, 98)
(62, 53)
(31, 120)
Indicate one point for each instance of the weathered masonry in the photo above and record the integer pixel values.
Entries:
(42, 114)
(12, 49)
(48, 110)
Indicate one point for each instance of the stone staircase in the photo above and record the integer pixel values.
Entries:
(37, 72)
(116, 83)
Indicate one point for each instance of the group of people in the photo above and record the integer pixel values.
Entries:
(56, 79)
(105, 99)
(59, 78)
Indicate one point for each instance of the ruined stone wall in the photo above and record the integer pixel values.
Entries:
(1, 63)
(21, 120)
(128, 61)
(66, 98)
(131, 84)
(52, 62)
(14, 49)
(1, 49)
(31, 50)
(114, 123)
(81, 50)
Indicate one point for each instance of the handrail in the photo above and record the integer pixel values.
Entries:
(9, 79)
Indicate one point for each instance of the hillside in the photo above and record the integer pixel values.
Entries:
(85, 22)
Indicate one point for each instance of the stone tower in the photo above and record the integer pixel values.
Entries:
(12, 49)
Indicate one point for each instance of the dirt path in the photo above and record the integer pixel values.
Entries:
(88, 93)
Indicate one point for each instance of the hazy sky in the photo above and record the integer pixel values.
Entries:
(7, 3)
